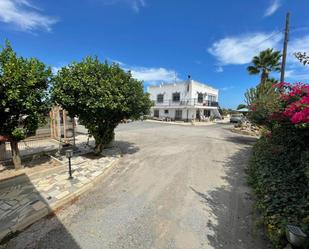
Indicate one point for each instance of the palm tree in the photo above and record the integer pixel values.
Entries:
(267, 61)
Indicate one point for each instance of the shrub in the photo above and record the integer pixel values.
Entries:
(279, 175)
(279, 166)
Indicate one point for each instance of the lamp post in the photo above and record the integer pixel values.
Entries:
(69, 154)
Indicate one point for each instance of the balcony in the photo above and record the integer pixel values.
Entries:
(187, 102)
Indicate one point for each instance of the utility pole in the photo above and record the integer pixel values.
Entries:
(285, 45)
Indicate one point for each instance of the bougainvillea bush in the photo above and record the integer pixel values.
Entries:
(295, 103)
(279, 167)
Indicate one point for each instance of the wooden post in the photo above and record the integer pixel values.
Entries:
(285, 46)
(64, 118)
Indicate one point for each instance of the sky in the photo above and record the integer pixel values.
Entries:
(161, 40)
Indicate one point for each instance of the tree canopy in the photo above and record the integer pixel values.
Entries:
(100, 95)
(241, 106)
(264, 63)
(23, 97)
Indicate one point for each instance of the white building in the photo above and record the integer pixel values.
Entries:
(186, 100)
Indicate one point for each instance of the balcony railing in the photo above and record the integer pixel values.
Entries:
(187, 102)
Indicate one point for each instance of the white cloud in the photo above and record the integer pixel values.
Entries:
(136, 5)
(273, 7)
(239, 50)
(154, 75)
(55, 69)
(300, 44)
(219, 69)
(151, 75)
(24, 15)
(298, 75)
(226, 88)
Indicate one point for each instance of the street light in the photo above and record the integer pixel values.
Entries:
(69, 154)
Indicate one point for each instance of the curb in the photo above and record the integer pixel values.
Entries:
(52, 208)
(188, 124)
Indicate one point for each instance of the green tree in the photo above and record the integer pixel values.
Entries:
(23, 97)
(264, 63)
(100, 95)
(302, 57)
(241, 106)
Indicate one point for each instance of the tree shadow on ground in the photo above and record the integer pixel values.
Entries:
(126, 147)
(245, 140)
(20, 204)
(233, 221)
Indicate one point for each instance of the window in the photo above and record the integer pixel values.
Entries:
(207, 113)
(165, 111)
(200, 98)
(212, 98)
(156, 113)
(160, 98)
(176, 97)
(178, 115)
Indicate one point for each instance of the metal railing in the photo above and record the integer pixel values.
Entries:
(187, 102)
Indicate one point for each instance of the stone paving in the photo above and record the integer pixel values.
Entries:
(24, 198)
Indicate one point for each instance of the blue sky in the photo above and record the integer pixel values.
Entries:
(159, 40)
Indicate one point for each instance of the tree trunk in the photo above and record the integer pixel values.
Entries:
(15, 154)
(264, 78)
(2, 151)
(98, 148)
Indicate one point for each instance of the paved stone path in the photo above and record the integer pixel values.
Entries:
(25, 200)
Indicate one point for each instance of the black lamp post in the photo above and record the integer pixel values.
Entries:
(69, 154)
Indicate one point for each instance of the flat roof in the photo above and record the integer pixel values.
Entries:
(183, 83)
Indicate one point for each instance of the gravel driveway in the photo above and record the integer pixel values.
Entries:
(175, 187)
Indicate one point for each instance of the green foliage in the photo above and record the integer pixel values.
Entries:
(100, 95)
(302, 57)
(264, 101)
(23, 94)
(250, 96)
(278, 172)
(18, 134)
(241, 106)
(264, 63)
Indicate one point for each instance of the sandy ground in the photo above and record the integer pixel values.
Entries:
(175, 187)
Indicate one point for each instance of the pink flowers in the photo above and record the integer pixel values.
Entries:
(295, 102)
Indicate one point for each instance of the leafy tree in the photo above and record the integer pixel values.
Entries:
(250, 96)
(100, 95)
(23, 97)
(302, 57)
(241, 106)
(264, 63)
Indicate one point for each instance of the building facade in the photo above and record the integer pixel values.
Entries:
(187, 100)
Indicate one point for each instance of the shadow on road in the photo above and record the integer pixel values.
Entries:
(126, 147)
(239, 139)
(233, 222)
(20, 203)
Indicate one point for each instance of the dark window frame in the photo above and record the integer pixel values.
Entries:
(207, 113)
(156, 113)
(176, 97)
(160, 98)
(200, 97)
(166, 111)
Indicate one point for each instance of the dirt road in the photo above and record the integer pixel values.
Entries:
(175, 187)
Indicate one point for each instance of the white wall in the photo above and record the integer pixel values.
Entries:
(202, 88)
(168, 89)
(188, 90)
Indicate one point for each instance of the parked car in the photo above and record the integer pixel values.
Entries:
(237, 118)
